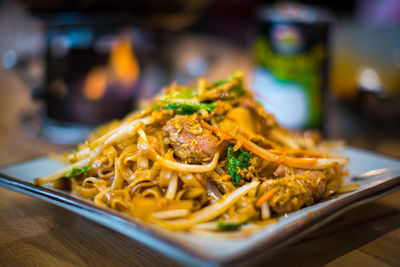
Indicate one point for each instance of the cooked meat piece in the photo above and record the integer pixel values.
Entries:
(316, 178)
(282, 171)
(292, 194)
(304, 187)
(191, 142)
(267, 168)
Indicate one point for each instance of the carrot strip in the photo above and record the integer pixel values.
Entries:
(212, 128)
(255, 150)
(224, 138)
(267, 196)
(261, 152)
(278, 159)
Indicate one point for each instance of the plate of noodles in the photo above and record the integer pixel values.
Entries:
(201, 166)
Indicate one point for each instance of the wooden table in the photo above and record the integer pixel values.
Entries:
(34, 232)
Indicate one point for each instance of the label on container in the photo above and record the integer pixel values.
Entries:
(289, 76)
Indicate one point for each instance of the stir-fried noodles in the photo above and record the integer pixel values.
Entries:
(205, 158)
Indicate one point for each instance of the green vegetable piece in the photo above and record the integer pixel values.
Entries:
(187, 94)
(236, 160)
(221, 82)
(156, 107)
(237, 90)
(189, 108)
(77, 171)
(228, 226)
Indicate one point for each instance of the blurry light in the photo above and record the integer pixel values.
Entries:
(95, 83)
(124, 63)
(9, 59)
(81, 38)
(369, 80)
(60, 45)
(197, 66)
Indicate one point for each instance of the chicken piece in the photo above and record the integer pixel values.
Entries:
(191, 142)
(292, 194)
(282, 171)
(316, 178)
(297, 188)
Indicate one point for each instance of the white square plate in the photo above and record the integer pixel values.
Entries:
(195, 249)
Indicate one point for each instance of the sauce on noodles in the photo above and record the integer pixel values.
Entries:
(206, 158)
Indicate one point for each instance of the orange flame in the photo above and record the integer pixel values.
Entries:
(95, 83)
(123, 68)
(123, 62)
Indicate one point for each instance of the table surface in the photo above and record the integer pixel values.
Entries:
(34, 232)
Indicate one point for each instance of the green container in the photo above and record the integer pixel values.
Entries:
(291, 62)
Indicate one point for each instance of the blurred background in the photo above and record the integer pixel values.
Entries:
(68, 66)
